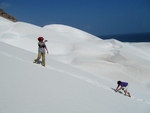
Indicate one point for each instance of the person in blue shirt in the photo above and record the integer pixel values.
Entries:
(124, 86)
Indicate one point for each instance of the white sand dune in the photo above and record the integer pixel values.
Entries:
(80, 74)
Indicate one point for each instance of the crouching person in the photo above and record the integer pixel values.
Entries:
(123, 86)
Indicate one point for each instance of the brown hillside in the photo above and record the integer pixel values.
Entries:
(7, 16)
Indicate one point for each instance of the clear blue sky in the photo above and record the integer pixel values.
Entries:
(98, 17)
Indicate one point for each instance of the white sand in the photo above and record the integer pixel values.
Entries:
(80, 71)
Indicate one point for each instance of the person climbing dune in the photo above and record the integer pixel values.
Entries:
(123, 86)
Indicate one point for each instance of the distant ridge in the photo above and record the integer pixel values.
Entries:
(7, 16)
(135, 37)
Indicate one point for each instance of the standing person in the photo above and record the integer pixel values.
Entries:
(124, 86)
(41, 50)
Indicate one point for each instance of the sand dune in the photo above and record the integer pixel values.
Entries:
(80, 74)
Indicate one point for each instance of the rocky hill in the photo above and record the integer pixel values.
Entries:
(7, 16)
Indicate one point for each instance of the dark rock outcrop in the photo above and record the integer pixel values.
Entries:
(7, 16)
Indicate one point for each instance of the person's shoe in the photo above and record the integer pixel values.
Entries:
(34, 62)
(43, 65)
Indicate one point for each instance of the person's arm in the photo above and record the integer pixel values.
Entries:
(46, 49)
(41, 44)
(118, 88)
(46, 46)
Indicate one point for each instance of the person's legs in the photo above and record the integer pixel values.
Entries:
(43, 59)
(38, 58)
(126, 91)
(129, 94)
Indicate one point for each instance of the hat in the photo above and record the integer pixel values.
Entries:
(40, 39)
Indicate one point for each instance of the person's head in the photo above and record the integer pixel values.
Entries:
(40, 39)
(119, 82)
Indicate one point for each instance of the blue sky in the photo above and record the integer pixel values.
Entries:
(98, 17)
